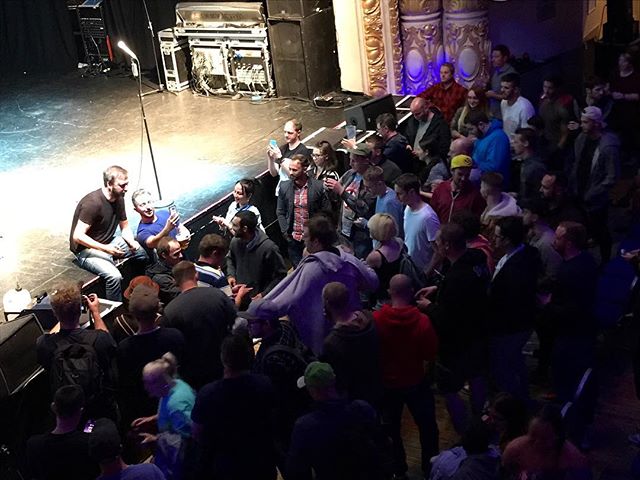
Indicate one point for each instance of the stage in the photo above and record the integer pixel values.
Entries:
(57, 134)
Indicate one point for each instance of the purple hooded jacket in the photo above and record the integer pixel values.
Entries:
(300, 294)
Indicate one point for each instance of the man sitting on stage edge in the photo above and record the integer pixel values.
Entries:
(154, 224)
(92, 238)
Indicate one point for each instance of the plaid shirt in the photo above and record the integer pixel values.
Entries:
(447, 100)
(300, 210)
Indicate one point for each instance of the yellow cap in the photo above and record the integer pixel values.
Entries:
(461, 161)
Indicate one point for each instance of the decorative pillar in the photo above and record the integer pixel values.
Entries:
(383, 46)
(420, 23)
(369, 45)
(466, 40)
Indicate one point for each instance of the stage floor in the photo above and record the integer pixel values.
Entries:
(58, 134)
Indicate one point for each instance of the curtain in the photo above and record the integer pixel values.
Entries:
(36, 36)
(127, 21)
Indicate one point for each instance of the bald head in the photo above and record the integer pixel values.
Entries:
(400, 289)
(461, 146)
(417, 106)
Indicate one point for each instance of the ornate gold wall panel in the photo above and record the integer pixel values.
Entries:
(374, 44)
(422, 50)
(419, 7)
(396, 60)
(467, 45)
(462, 6)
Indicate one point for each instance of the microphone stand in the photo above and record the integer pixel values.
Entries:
(146, 126)
(160, 88)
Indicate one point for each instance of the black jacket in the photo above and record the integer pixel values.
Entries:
(161, 274)
(459, 312)
(512, 294)
(317, 201)
(257, 263)
(353, 350)
(436, 140)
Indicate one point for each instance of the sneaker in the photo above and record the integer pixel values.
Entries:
(635, 439)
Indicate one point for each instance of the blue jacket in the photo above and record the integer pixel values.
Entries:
(492, 153)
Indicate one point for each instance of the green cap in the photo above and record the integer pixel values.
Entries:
(318, 375)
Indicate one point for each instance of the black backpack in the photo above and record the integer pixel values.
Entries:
(411, 270)
(76, 363)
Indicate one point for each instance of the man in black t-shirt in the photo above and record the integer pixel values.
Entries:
(149, 343)
(66, 302)
(278, 157)
(232, 419)
(93, 237)
(204, 315)
(62, 454)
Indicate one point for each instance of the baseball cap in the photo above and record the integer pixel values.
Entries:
(461, 161)
(261, 310)
(361, 149)
(144, 299)
(140, 280)
(317, 374)
(594, 114)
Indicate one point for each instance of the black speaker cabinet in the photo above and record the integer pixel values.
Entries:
(295, 8)
(18, 360)
(304, 54)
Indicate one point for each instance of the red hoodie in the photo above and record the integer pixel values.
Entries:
(407, 340)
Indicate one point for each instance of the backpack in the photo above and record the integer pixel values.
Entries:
(411, 270)
(76, 363)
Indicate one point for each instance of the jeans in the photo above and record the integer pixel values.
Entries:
(102, 264)
(508, 367)
(295, 249)
(419, 400)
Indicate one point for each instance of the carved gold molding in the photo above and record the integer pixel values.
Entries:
(374, 44)
(396, 44)
(419, 7)
(453, 6)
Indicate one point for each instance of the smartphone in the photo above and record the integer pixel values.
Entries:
(172, 208)
(273, 143)
(88, 427)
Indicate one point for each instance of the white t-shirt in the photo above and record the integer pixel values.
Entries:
(420, 228)
(516, 116)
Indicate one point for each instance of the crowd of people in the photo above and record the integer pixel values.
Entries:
(425, 267)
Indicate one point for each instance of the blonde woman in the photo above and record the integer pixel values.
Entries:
(385, 260)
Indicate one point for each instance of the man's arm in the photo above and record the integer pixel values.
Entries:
(93, 305)
(152, 240)
(80, 237)
(273, 155)
(127, 235)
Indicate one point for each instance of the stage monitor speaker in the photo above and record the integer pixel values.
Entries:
(304, 53)
(364, 115)
(18, 360)
(295, 8)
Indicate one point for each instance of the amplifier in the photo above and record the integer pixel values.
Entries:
(251, 71)
(93, 30)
